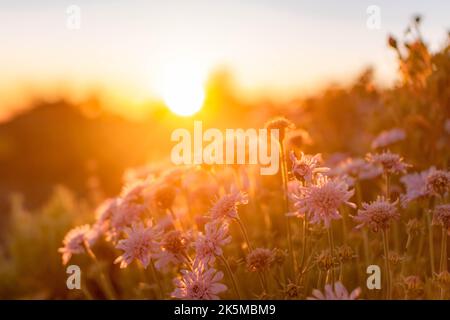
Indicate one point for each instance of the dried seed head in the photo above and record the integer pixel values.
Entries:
(325, 261)
(279, 256)
(441, 216)
(443, 280)
(281, 124)
(414, 287)
(260, 259)
(438, 182)
(345, 253)
(292, 291)
(395, 259)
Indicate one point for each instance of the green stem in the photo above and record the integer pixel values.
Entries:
(230, 274)
(388, 268)
(331, 243)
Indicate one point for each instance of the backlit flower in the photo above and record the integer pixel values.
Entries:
(306, 166)
(174, 245)
(74, 242)
(389, 162)
(141, 244)
(388, 137)
(441, 216)
(199, 284)
(322, 200)
(377, 215)
(226, 207)
(260, 259)
(437, 182)
(209, 245)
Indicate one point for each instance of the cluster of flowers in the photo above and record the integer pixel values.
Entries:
(317, 195)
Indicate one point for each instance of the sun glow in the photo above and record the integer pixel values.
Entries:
(183, 88)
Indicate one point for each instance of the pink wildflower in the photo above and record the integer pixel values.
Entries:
(209, 245)
(338, 293)
(74, 242)
(141, 244)
(306, 166)
(388, 137)
(390, 162)
(377, 215)
(174, 247)
(199, 284)
(322, 200)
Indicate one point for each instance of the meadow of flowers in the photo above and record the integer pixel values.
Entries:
(310, 232)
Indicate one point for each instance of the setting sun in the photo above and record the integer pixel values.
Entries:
(182, 89)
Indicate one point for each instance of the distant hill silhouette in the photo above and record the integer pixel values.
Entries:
(57, 144)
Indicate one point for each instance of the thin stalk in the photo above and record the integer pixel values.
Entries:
(104, 281)
(388, 268)
(230, 274)
(157, 280)
(244, 233)
(365, 233)
(284, 177)
(331, 243)
(304, 236)
(443, 265)
(430, 242)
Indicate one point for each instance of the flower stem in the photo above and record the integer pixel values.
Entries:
(430, 242)
(331, 243)
(244, 233)
(284, 176)
(230, 274)
(443, 265)
(388, 268)
(157, 280)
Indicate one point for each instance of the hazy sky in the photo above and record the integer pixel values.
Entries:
(276, 45)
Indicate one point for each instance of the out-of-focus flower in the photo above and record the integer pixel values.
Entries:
(437, 182)
(339, 292)
(415, 186)
(281, 124)
(279, 256)
(322, 200)
(325, 261)
(209, 245)
(357, 168)
(174, 246)
(163, 196)
(414, 228)
(199, 284)
(345, 253)
(260, 259)
(141, 244)
(389, 162)
(74, 242)
(388, 137)
(292, 291)
(441, 216)
(377, 215)
(226, 207)
(306, 166)
(124, 214)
